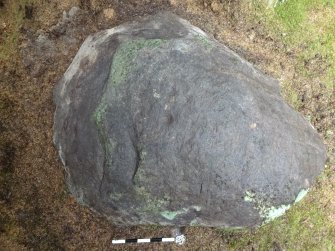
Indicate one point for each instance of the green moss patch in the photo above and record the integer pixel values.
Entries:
(124, 56)
(171, 215)
(122, 64)
(150, 204)
(266, 211)
(205, 42)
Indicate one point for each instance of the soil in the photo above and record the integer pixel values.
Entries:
(36, 210)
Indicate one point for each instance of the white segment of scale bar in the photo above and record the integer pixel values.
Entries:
(143, 240)
(168, 239)
(118, 241)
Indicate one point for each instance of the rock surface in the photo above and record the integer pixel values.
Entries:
(156, 123)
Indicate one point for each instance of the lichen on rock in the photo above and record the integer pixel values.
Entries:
(158, 123)
(267, 211)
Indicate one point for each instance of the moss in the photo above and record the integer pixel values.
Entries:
(205, 42)
(301, 195)
(171, 215)
(194, 222)
(249, 196)
(99, 113)
(267, 211)
(138, 176)
(124, 56)
(122, 64)
(150, 204)
(115, 196)
(274, 212)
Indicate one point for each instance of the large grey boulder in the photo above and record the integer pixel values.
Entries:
(157, 123)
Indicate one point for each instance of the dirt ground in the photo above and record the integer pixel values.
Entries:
(36, 210)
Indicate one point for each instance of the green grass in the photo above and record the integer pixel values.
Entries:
(290, 93)
(308, 225)
(310, 24)
(12, 17)
(307, 26)
(304, 227)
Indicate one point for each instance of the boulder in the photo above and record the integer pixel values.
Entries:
(158, 123)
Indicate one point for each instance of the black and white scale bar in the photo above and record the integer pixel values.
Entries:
(143, 240)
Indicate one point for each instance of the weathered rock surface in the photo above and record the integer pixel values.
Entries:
(156, 123)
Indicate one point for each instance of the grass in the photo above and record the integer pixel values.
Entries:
(11, 16)
(290, 93)
(306, 28)
(305, 227)
(308, 225)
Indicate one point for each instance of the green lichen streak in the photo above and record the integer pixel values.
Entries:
(268, 212)
(205, 42)
(124, 56)
(171, 215)
(150, 204)
(123, 63)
